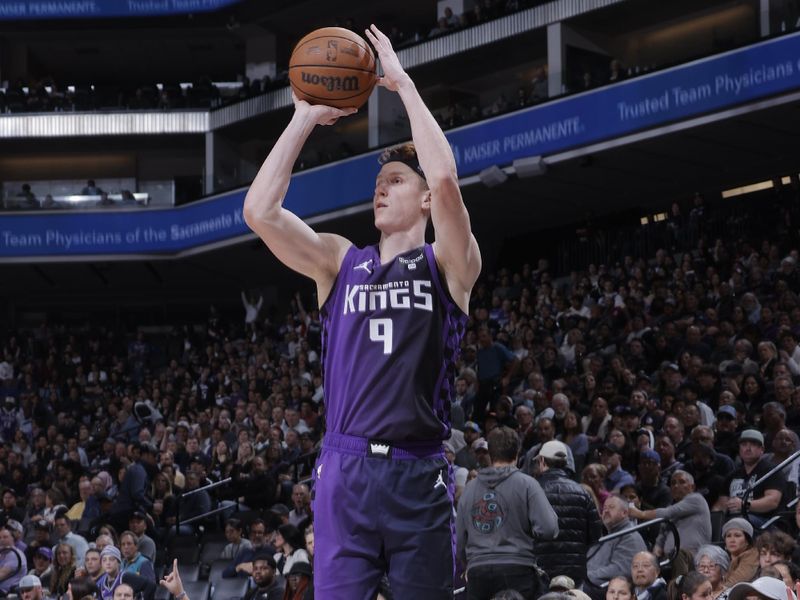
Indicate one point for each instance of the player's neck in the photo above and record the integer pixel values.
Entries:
(394, 244)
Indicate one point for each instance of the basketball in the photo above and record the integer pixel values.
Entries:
(332, 66)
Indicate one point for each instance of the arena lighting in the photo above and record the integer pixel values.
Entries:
(492, 176)
(748, 189)
(530, 166)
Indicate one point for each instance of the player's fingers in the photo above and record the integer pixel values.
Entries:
(371, 38)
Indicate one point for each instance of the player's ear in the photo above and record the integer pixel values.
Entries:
(426, 200)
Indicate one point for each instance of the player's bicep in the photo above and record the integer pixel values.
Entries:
(456, 247)
(299, 247)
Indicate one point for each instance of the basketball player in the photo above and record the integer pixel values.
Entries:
(393, 316)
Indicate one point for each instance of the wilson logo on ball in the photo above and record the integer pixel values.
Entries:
(346, 84)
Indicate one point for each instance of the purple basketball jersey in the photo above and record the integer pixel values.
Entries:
(391, 336)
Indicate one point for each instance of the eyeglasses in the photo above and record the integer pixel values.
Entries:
(707, 566)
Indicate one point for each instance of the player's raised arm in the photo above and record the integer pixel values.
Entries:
(455, 247)
(294, 243)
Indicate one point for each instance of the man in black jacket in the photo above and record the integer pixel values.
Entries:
(579, 525)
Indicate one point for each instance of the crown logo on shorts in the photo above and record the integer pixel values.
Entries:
(379, 448)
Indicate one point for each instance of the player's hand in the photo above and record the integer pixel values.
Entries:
(393, 73)
(319, 113)
(173, 581)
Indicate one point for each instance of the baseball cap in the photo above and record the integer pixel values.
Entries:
(562, 583)
(30, 581)
(448, 447)
(44, 552)
(15, 525)
(137, 515)
(43, 525)
(670, 366)
(554, 449)
(650, 455)
(764, 587)
(473, 426)
(726, 411)
(480, 444)
(751, 435)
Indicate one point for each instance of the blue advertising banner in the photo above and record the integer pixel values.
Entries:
(704, 86)
(90, 9)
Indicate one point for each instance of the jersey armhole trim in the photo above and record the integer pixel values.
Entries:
(439, 281)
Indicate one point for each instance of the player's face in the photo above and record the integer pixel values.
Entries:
(401, 199)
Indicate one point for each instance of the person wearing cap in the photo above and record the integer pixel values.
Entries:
(652, 490)
(30, 588)
(613, 558)
(688, 512)
(113, 575)
(611, 459)
(466, 456)
(138, 525)
(764, 588)
(764, 500)
(41, 558)
(13, 564)
(737, 533)
(18, 531)
(501, 513)
(579, 524)
(269, 586)
(646, 577)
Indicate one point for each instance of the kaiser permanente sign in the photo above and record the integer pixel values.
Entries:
(762, 70)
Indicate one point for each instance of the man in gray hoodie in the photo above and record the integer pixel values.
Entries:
(500, 515)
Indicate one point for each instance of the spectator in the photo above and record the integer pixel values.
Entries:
(267, 585)
(236, 542)
(738, 536)
(579, 525)
(66, 563)
(498, 554)
(616, 476)
(299, 582)
(134, 561)
(774, 546)
(113, 576)
(85, 490)
(620, 588)
(764, 500)
(133, 490)
(713, 562)
(92, 565)
(290, 543)
(42, 565)
(300, 515)
(63, 528)
(611, 559)
(146, 545)
(13, 564)
(688, 512)
(693, 586)
(646, 576)
(91, 189)
(27, 198)
(763, 587)
(30, 588)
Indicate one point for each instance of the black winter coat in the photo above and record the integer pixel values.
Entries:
(579, 526)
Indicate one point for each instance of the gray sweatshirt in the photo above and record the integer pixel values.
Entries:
(610, 559)
(500, 514)
(692, 520)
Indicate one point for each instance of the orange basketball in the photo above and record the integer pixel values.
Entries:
(332, 66)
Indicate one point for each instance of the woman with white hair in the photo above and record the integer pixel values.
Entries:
(713, 562)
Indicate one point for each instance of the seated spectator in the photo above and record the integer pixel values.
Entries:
(774, 546)
(63, 527)
(146, 545)
(693, 586)
(64, 568)
(92, 564)
(611, 559)
(268, 585)
(134, 561)
(688, 512)
(13, 564)
(42, 565)
(738, 536)
(593, 477)
(300, 515)
(764, 587)
(646, 576)
(27, 198)
(299, 582)
(290, 543)
(620, 588)
(713, 562)
(236, 542)
(113, 576)
(616, 476)
(85, 491)
(765, 500)
(243, 561)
